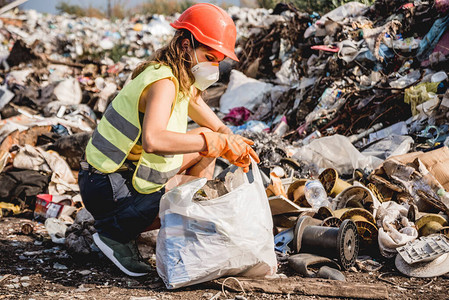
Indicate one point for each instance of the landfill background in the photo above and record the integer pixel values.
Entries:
(356, 99)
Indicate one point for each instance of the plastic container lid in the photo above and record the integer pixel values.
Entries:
(439, 76)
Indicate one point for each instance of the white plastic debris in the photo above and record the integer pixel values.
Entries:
(18, 76)
(424, 249)
(439, 76)
(406, 80)
(350, 9)
(243, 91)
(430, 105)
(106, 44)
(285, 74)
(336, 152)
(5, 96)
(69, 91)
(56, 229)
(395, 229)
(59, 266)
(159, 27)
(109, 88)
(399, 128)
(391, 145)
(100, 83)
(58, 72)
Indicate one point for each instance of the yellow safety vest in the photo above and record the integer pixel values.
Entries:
(120, 129)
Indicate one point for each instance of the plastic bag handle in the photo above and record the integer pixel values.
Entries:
(256, 172)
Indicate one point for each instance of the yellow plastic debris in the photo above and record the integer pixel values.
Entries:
(419, 94)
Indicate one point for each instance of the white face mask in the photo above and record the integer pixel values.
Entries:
(206, 73)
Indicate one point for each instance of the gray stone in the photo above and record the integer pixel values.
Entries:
(84, 272)
(59, 266)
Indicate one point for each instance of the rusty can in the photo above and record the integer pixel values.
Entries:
(27, 229)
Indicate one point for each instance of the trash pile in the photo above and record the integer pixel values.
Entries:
(59, 73)
(349, 113)
(360, 99)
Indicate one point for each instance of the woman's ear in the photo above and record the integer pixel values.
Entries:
(185, 44)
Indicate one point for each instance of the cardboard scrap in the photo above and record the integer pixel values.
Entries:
(281, 205)
(436, 162)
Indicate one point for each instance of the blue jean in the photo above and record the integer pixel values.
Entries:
(120, 212)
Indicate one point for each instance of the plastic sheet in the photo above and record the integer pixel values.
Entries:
(243, 91)
(336, 152)
(350, 9)
(399, 128)
(390, 146)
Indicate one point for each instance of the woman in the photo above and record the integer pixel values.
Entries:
(141, 141)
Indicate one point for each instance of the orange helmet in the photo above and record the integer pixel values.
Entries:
(211, 26)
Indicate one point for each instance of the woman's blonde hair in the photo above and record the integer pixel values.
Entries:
(173, 56)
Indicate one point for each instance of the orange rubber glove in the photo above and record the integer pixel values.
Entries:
(232, 147)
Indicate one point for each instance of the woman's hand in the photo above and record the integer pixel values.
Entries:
(235, 148)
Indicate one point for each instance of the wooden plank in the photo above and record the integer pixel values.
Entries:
(309, 287)
(11, 6)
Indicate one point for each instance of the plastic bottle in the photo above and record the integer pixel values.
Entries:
(315, 194)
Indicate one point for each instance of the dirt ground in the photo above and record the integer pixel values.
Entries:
(33, 267)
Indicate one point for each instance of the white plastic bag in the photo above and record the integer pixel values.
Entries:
(69, 91)
(336, 152)
(243, 91)
(395, 230)
(204, 240)
(339, 14)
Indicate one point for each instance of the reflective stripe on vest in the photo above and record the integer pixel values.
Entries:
(121, 124)
(155, 176)
(120, 128)
(106, 146)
